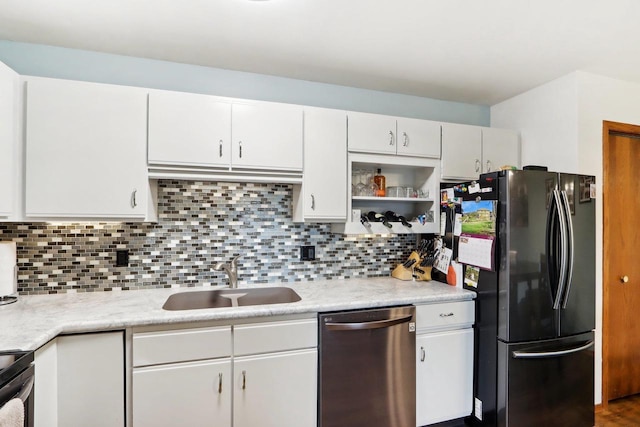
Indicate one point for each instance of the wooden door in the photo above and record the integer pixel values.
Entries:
(621, 270)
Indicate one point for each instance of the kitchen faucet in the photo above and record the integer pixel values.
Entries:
(231, 269)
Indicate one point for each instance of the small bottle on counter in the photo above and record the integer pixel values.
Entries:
(380, 181)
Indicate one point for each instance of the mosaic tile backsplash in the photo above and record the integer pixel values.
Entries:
(200, 223)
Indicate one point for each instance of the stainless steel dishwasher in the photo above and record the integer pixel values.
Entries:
(368, 368)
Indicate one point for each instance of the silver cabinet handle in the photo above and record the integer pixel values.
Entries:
(488, 165)
(244, 379)
(423, 354)
(406, 139)
(313, 202)
(446, 314)
(220, 383)
(478, 164)
(134, 203)
(240, 145)
(220, 148)
(391, 138)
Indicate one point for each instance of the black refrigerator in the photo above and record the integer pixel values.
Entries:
(535, 312)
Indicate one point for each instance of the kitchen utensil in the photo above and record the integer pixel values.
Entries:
(402, 273)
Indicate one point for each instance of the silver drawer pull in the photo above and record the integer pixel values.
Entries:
(446, 314)
(219, 383)
(423, 354)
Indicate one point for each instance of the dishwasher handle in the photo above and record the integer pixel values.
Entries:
(376, 324)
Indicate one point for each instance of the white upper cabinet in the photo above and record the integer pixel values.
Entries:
(9, 123)
(420, 138)
(85, 150)
(323, 196)
(500, 147)
(380, 134)
(461, 151)
(189, 129)
(468, 151)
(266, 135)
(371, 133)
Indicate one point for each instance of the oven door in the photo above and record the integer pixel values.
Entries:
(21, 387)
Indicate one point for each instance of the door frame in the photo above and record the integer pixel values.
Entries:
(607, 128)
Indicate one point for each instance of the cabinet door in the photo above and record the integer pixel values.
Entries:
(444, 383)
(275, 390)
(419, 138)
(371, 133)
(189, 129)
(461, 151)
(9, 84)
(91, 380)
(500, 147)
(86, 150)
(267, 136)
(325, 165)
(183, 394)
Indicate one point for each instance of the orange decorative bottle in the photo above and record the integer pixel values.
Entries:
(379, 179)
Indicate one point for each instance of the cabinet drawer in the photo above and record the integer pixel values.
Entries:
(445, 316)
(275, 336)
(152, 348)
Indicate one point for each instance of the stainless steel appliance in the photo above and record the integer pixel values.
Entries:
(367, 371)
(17, 380)
(535, 313)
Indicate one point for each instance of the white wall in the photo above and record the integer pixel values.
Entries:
(561, 127)
(547, 119)
(75, 64)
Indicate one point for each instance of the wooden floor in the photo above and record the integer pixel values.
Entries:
(620, 413)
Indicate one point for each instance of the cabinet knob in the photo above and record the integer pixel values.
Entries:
(391, 138)
(624, 279)
(478, 164)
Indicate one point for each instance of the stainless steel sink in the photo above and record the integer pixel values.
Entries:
(230, 298)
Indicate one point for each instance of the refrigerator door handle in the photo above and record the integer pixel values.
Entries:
(543, 354)
(570, 254)
(563, 248)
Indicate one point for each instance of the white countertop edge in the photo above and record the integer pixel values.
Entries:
(34, 320)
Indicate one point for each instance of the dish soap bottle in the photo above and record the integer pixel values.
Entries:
(380, 181)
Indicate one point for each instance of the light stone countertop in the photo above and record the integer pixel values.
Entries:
(35, 319)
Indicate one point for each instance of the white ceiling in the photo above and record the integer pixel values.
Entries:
(476, 51)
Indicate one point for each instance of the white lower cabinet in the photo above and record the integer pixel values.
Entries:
(276, 389)
(270, 379)
(80, 381)
(183, 394)
(444, 361)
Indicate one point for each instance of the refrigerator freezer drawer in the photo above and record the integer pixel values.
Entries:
(546, 383)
